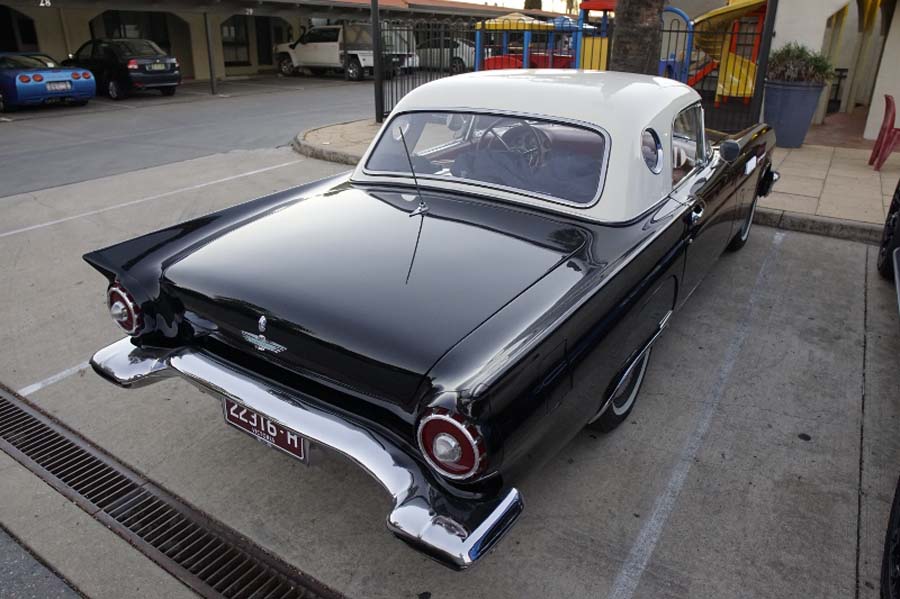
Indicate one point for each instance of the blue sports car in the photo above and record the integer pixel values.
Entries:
(33, 78)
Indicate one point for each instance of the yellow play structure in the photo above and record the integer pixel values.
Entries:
(716, 34)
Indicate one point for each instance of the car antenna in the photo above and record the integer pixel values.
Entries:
(423, 207)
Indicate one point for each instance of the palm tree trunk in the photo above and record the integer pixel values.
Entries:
(636, 37)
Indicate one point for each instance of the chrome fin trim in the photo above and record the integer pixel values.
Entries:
(453, 530)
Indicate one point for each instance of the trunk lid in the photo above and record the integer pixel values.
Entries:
(360, 293)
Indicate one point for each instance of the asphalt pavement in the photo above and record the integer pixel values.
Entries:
(759, 461)
(50, 146)
(24, 577)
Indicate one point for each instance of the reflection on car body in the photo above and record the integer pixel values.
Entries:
(449, 351)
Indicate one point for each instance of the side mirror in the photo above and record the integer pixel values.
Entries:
(729, 150)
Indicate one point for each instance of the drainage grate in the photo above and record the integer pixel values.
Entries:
(210, 558)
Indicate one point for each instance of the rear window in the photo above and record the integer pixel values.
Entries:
(21, 62)
(557, 161)
(138, 48)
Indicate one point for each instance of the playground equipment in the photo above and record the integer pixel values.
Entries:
(561, 43)
(592, 51)
(716, 34)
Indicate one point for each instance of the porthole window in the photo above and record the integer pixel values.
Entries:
(651, 151)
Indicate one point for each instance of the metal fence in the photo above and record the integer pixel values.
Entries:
(722, 64)
(436, 49)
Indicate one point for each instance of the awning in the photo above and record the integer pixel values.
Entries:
(515, 21)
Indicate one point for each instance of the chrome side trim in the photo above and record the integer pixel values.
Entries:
(608, 401)
(453, 530)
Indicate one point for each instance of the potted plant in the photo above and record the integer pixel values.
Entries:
(794, 82)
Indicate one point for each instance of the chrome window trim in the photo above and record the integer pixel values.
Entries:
(455, 184)
(660, 153)
(701, 161)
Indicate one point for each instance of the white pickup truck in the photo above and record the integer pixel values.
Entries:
(347, 48)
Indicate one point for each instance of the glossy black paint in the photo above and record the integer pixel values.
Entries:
(521, 319)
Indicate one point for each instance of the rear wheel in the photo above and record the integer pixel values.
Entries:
(623, 398)
(890, 238)
(168, 91)
(354, 69)
(3, 106)
(114, 90)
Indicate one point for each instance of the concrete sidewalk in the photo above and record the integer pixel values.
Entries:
(824, 190)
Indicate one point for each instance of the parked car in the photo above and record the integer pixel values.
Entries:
(889, 267)
(123, 66)
(346, 48)
(453, 54)
(888, 257)
(450, 316)
(31, 78)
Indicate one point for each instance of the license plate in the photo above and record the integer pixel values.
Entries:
(157, 66)
(58, 86)
(266, 430)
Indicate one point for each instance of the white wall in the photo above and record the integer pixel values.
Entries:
(888, 80)
(803, 21)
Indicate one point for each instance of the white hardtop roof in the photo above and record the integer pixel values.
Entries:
(622, 104)
(599, 97)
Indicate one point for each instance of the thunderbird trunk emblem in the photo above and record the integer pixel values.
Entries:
(259, 341)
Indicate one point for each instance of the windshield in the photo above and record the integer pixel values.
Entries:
(138, 48)
(538, 157)
(22, 62)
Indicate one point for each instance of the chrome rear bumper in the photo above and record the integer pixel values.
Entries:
(454, 531)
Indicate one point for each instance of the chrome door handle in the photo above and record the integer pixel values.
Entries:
(697, 212)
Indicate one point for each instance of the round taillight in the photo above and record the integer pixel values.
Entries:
(76, 76)
(123, 308)
(86, 75)
(451, 446)
(38, 78)
(24, 78)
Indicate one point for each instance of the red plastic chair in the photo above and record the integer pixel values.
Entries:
(888, 136)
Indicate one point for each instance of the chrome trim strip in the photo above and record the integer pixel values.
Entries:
(662, 325)
(449, 528)
(362, 174)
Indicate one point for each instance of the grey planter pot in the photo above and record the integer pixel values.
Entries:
(790, 107)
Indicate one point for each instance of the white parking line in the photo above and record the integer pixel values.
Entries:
(629, 576)
(147, 199)
(26, 391)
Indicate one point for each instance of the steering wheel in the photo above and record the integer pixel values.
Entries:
(534, 155)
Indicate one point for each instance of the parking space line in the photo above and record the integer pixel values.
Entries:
(35, 387)
(147, 199)
(629, 576)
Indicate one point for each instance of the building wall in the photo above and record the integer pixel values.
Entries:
(803, 21)
(888, 79)
(61, 31)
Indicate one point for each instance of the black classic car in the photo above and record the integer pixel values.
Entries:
(123, 66)
(487, 282)
(888, 265)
